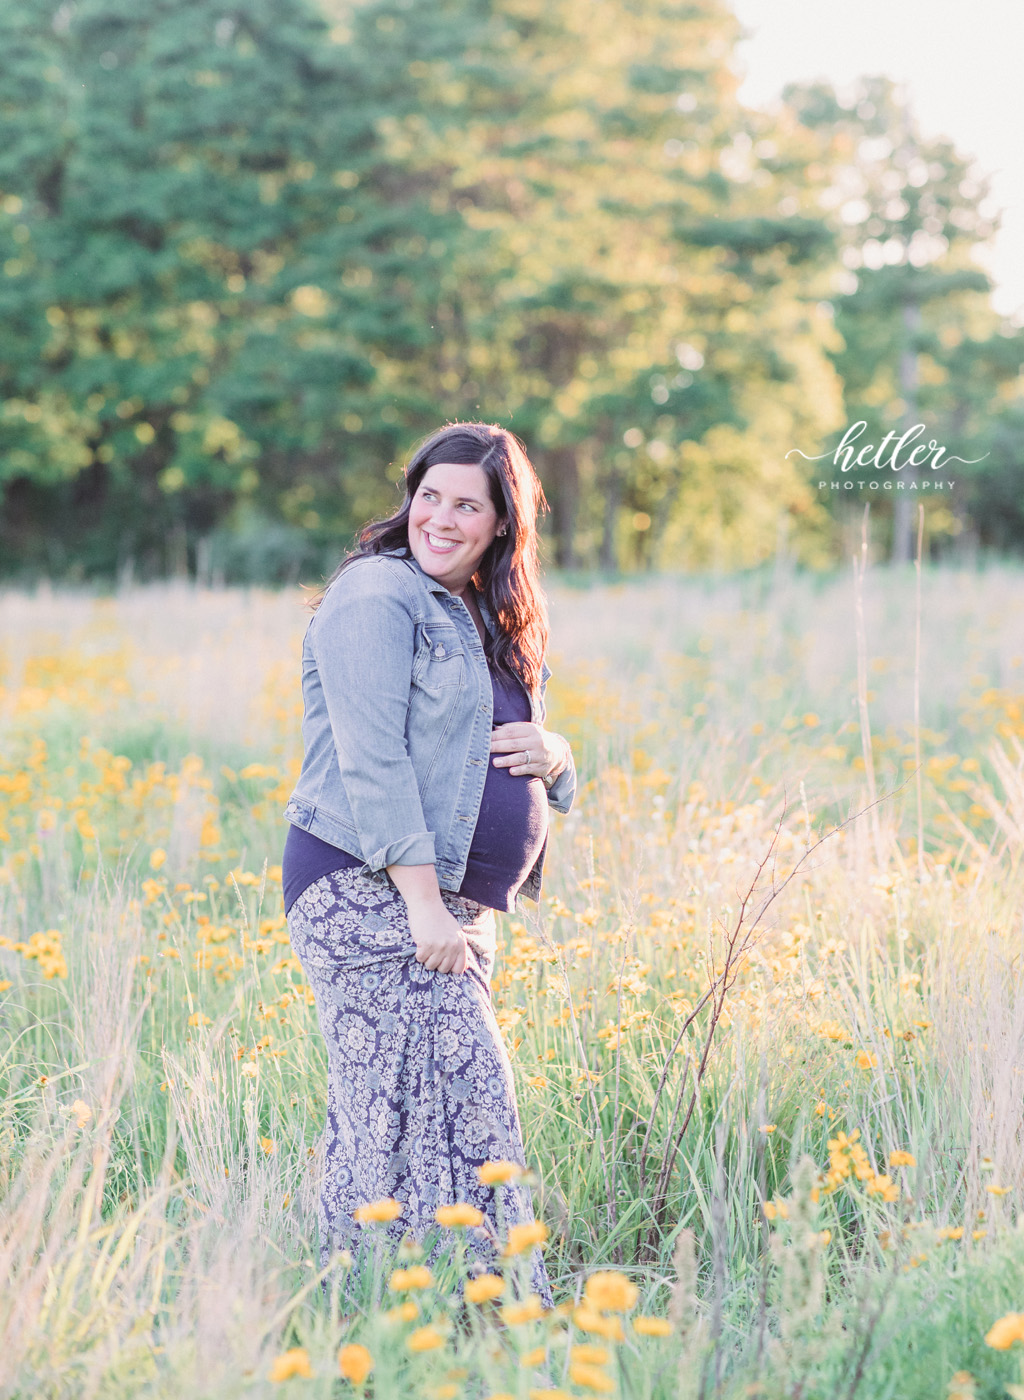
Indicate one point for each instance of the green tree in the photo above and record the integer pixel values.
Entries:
(636, 305)
(920, 341)
(205, 269)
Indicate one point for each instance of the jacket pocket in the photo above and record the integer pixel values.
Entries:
(440, 661)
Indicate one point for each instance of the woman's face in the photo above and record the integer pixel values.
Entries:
(452, 521)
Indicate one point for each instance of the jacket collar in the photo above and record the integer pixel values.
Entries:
(433, 586)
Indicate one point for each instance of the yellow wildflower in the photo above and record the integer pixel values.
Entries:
(484, 1288)
(294, 1362)
(402, 1312)
(1009, 1329)
(268, 1145)
(82, 1112)
(589, 1355)
(425, 1339)
(462, 1213)
(387, 1209)
(534, 1357)
(157, 858)
(591, 1378)
(404, 1280)
(902, 1159)
(865, 1060)
(493, 1172)
(355, 1363)
(652, 1326)
(529, 1310)
(588, 1319)
(610, 1291)
(523, 1237)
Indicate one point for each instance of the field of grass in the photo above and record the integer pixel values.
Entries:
(767, 1022)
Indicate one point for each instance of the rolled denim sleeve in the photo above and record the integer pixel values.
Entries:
(364, 640)
(563, 789)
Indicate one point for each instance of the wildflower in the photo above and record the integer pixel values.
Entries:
(402, 1312)
(610, 1291)
(821, 1108)
(998, 1190)
(962, 1386)
(249, 1071)
(588, 1319)
(355, 1363)
(425, 1339)
(199, 1018)
(768, 1128)
(951, 1232)
(542, 1395)
(523, 1237)
(387, 1209)
(484, 1288)
(291, 1363)
(1002, 1334)
(462, 1213)
(529, 1310)
(902, 1159)
(491, 1173)
(157, 858)
(885, 1187)
(591, 1378)
(268, 1145)
(652, 1326)
(82, 1112)
(866, 1060)
(535, 1357)
(404, 1280)
(589, 1355)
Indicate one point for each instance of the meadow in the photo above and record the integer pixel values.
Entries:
(766, 1022)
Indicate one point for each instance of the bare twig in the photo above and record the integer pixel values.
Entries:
(739, 942)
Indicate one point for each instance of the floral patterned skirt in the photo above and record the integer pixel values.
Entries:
(420, 1089)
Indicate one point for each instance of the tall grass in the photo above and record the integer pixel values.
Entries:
(745, 988)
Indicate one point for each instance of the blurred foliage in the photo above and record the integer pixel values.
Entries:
(249, 256)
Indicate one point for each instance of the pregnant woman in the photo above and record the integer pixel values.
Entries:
(421, 808)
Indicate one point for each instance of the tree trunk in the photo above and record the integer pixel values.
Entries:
(562, 488)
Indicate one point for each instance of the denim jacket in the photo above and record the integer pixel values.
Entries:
(397, 722)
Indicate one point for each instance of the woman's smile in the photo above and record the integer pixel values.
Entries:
(441, 546)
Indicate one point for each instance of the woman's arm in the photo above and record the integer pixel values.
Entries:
(363, 639)
(440, 942)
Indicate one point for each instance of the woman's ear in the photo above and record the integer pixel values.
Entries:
(503, 527)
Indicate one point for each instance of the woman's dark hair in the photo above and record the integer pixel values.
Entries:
(508, 574)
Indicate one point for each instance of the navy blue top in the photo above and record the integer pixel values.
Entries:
(508, 838)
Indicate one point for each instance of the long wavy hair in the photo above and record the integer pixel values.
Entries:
(508, 575)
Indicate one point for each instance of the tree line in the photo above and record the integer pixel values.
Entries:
(251, 254)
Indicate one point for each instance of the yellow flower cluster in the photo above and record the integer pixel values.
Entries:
(44, 948)
(847, 1158)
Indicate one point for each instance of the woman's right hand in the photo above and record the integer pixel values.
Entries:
(440, 941)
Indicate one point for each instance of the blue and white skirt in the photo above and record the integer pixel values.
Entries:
(420, 1090)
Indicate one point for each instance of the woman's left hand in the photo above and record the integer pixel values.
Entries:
(527, 749)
